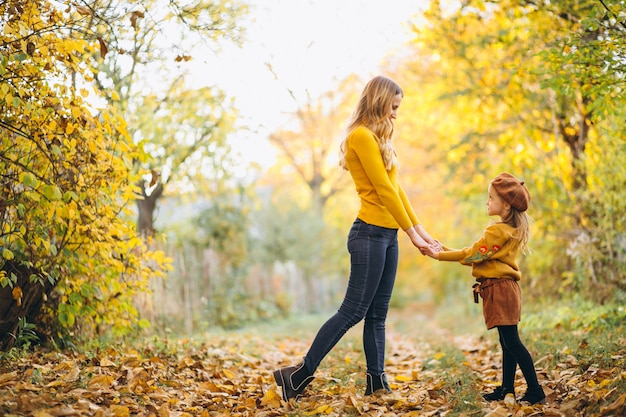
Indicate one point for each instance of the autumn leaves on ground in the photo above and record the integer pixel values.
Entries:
(433, 371)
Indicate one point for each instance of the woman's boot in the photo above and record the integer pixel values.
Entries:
(293, 380)
(376, 382)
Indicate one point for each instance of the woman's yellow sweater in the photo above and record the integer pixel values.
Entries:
(383, 201)
(491, 256)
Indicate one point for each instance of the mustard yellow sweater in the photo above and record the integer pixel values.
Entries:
(383, 201)
(492, 256)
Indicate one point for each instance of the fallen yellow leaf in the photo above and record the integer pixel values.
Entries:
(72, 375)
(271, 399)
(104, 362)
(228, 374)
(104, 381)
(498, 412)
(322, 409)
(352, 400)
(120, 410)
(41, 413)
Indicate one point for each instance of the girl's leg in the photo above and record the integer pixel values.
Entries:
(534, 393)
(509, 337)
(509, 365)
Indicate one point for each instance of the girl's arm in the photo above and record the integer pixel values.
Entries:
(487, 247)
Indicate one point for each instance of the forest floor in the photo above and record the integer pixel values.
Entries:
(434, 369)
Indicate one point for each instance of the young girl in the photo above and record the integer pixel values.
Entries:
(493, 263)
(367, 153)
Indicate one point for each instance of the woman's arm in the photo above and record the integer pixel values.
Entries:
(416, 239)
(433, 243)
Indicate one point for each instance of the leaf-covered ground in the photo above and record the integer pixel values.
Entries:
(230, 374)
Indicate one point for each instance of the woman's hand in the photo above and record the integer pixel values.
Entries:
(423, 234)
(416, 239)
(432, 251)
(436, 245)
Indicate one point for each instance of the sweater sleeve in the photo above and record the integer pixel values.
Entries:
(485, 248)
(368, 152)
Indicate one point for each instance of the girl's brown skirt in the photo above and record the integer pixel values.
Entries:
(502, 301)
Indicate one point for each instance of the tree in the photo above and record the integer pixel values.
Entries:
(294, 226)
(310, 149)
(185, 133)
(66, 181)
(522, 96)
(149, 46)
(587, 66)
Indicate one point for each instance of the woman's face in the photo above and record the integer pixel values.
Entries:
(395, 104)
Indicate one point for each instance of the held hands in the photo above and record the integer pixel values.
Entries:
(433, 250)
(424, 242)
(417, 240)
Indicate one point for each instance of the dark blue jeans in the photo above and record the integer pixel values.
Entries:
(373, 265)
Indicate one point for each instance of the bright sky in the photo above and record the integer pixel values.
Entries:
(310, 45)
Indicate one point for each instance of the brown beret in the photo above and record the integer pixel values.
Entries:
(512, 190)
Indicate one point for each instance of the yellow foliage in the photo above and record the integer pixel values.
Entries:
(67, 181)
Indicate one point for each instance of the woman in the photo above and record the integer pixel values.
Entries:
(368, 154)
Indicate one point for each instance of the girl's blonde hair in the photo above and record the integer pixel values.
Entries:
(521, 222)
(372, 111)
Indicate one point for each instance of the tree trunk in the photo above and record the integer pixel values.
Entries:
(145, 208)
(29, 306)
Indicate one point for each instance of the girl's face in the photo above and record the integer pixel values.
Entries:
(395, 104)
(496, 206)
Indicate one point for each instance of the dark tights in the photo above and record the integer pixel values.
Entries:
(515, 353)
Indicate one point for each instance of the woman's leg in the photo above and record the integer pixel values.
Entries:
(367, 245)
(374, 327)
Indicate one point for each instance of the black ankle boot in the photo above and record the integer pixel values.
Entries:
(293, 380)
(498, 394)
(534, 396)
(376, 382)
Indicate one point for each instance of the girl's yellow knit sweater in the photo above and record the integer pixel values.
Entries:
(492, 256)
(383, 201)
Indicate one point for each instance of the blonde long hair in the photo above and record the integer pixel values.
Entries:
(521, 222)
(372, 111)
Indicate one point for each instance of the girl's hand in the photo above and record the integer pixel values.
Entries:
(432, 251)
(435, 244)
